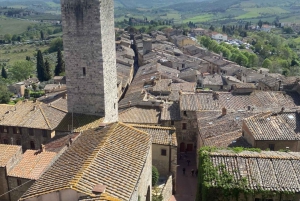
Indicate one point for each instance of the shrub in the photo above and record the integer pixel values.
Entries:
(155, 175)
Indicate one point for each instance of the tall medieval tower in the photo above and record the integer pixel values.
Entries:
(90, 57)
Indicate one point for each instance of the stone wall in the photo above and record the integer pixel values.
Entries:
(3, 174)
(167, 190)
(24, 138)
(20, 190)
(145, 183)
(90, 57)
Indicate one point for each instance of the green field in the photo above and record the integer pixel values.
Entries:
(259, 12)
(19, 52)
(52, 4)
(199, 18)
(13, 26)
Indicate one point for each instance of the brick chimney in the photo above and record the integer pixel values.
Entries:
(224, 111)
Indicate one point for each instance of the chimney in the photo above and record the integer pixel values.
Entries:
(224, 111)
(43, 148)
(34, 108)
(70, 141)
(65, 96)
(129, 103)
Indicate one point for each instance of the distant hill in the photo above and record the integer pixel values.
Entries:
(152, 3)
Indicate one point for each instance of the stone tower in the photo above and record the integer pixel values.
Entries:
(90, 57)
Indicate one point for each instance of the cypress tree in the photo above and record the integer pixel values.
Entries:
(47, 74)
(40, 66)
(4, 73)
(60, 66)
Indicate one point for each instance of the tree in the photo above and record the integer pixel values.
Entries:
(253, 60)
(55, 45)
(7, 38)
(21, 70)
(47, 73)
(42, 35)
(34, 87)
(26, 94)
(212, 28)
(155, 175)
(60, 65)
(224, 29)
(4, 73)
(260, 23)
(4, 95)
(40, 67)
(267, 63)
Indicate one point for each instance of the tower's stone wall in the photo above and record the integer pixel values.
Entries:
(90, 57)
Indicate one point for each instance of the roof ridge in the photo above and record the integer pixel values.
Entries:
(130, 126)
(42, 111)
(258, 155)
(58, 108)
(148, 126)
(75, 180)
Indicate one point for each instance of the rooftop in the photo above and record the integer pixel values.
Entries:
(33, 164)
(170, 112)
(7, 152)
(268, 126)
(95, 158)
(140, 115)
(160, 135)
(257, 100)
(267, 170)
(33, 115)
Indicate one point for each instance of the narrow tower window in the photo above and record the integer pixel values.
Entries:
(83, 71)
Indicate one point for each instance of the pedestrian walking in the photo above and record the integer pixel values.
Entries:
(183, 170)
(188, 162)
(192, 171)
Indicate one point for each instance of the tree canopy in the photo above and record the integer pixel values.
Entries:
(21, 70)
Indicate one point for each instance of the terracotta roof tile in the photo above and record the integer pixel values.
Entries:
(160, 135)
(268, 170)
(7, 152)
(116, 149)
(140, 115)
(32, 165)
(258, 100)
(33, 115)
(268, 126)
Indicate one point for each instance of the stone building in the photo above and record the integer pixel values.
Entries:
(274, 131)
(115, 164)
(269, 175)
(29, 169)
(90, 57)
(9, 156)
(29, 124)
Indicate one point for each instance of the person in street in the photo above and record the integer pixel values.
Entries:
(192, 171)
(188, 162)
(183, 171)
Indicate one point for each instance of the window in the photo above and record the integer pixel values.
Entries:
(163, 152)
(19, 182)
(16, 130)
(18, 142)
(5, 141)
(272, 147)
(83, 71)
(183, 126)
(30, 131)
(44, 133)
(184, 113)
(32, 145)
(172, 122)
(4, 129)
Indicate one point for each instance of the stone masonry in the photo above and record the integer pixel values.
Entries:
(90, 57)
